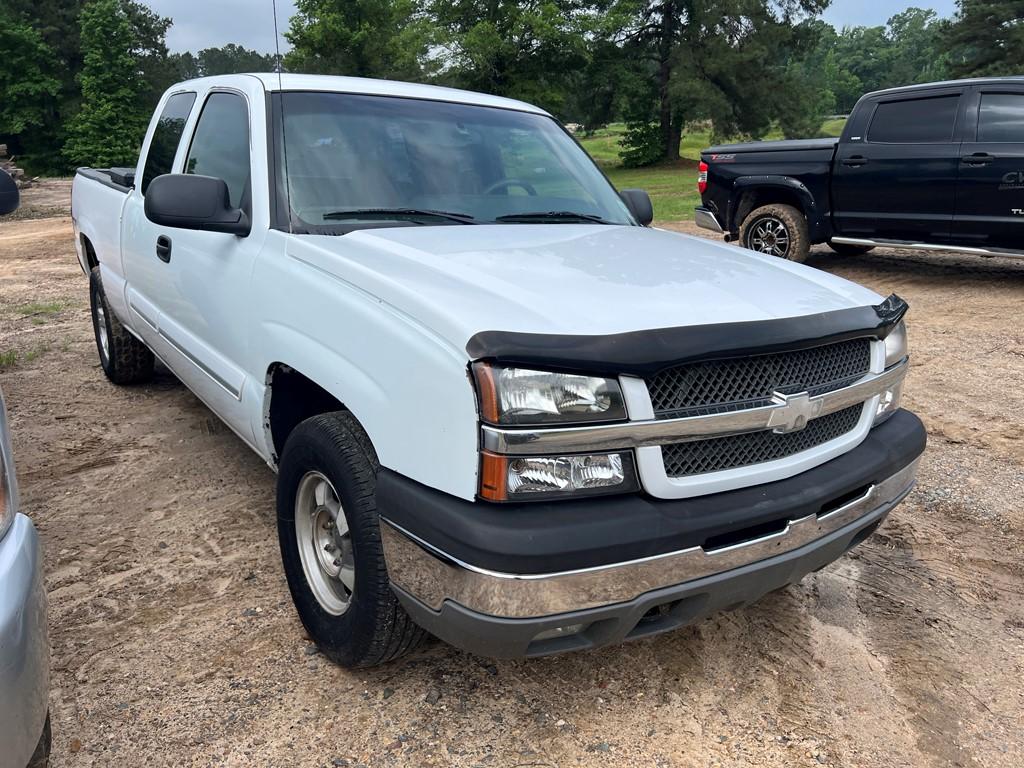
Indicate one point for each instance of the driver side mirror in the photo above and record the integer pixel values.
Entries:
(188, 201)
(639, 204)
(10, 198)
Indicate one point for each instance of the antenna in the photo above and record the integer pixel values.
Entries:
(278, 65)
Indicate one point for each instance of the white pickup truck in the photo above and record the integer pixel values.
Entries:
(501, 407)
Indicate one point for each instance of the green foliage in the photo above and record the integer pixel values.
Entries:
(986, 38)
(641, 144)
(363, 38)
(525, 50)
(230, 59)
(109, 128)
(26, 79)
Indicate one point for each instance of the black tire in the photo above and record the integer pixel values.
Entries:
(374, 627)
(125, 359)
(764, 229)
(845, 249)
(41, 757)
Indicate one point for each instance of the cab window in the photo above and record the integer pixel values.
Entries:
(220, 146)
(1002, 118)
(915, 121)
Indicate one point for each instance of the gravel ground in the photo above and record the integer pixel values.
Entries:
(174, 640)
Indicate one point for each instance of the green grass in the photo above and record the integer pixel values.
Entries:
(8, 359)
(672, 187)
(40, 308)
(11, 357)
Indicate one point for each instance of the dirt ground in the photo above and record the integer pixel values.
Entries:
(175, 643)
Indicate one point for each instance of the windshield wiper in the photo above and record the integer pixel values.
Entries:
(397, 213)
(553, 216)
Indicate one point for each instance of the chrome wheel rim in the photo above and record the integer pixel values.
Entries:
(770, 236)
(101, 331)
(325, 543)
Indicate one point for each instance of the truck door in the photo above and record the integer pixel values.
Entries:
(897, 181)
(990, 193)
(190, 287)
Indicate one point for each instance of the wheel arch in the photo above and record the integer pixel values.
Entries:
(754, 191)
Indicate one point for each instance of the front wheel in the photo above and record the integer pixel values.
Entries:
(776, 230)
(329, 533)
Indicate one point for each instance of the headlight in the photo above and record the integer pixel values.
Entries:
(530, 478)
(896, 345)
(895, 351)
(519, 396)
(8, 486)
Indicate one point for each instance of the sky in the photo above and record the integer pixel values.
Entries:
(202, 24)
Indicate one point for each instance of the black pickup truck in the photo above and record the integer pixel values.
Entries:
(937, 166)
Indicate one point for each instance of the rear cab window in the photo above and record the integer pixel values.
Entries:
(167, 137)
(929, 120)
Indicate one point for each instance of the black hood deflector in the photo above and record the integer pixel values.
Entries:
(643, 353)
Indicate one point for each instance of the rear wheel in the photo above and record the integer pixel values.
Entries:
(845, 249)
(776, 230)
(125, 359)
(329, 532)
(41, 757)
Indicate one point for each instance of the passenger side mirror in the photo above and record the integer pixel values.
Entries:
(188, 201)
(9, 195)
(639, 204)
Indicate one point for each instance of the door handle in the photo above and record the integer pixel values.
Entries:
(855, 161)
(977, 159)
(163, 249)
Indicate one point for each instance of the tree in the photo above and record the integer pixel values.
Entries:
(526, 50)
(233, 59)
(724, 60)
(27, 83)
(364, 38)
(986, 37)
(149, 50)
(108, 130)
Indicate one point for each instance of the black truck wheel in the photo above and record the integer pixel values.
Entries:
(845, 249)
(125, 359)
(329, 533)
(776, 230)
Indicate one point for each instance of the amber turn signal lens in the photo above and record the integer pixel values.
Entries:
(493, 477)
(485, 386)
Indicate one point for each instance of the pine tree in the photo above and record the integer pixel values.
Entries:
(987, 38)
(108, 129)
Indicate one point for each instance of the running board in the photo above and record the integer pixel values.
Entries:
(928, 247)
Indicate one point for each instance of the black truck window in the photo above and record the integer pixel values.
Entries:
(166, 137)
(220, 146)
(1002, 118)
(915, 121)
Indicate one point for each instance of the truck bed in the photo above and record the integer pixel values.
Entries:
(121, 179)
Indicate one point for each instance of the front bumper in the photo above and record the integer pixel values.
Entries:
(24, 644)
(761, 539)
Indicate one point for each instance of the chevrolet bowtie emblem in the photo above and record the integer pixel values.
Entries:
(795, 412)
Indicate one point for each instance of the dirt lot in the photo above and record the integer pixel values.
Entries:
(174, 641)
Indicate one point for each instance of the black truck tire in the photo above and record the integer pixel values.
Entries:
(125, 359)
(41, 757)
(359, 623)
(776, 230)
(846, 249)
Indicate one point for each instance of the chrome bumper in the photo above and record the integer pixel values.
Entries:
(705, 219)
(433, 577)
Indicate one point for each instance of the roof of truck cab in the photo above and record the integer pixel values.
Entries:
(362, 85)
(1011, 80)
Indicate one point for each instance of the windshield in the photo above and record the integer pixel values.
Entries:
(355, 161)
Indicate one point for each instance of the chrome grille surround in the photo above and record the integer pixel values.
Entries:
(720, 386)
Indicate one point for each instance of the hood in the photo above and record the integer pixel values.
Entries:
(573, 279)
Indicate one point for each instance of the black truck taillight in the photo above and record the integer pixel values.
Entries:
(702, 177)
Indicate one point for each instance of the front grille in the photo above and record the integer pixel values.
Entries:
(719, 386)
(720, 453)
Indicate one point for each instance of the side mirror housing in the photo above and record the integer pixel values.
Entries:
(187, 201)
(10, 198)
(639, 204)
